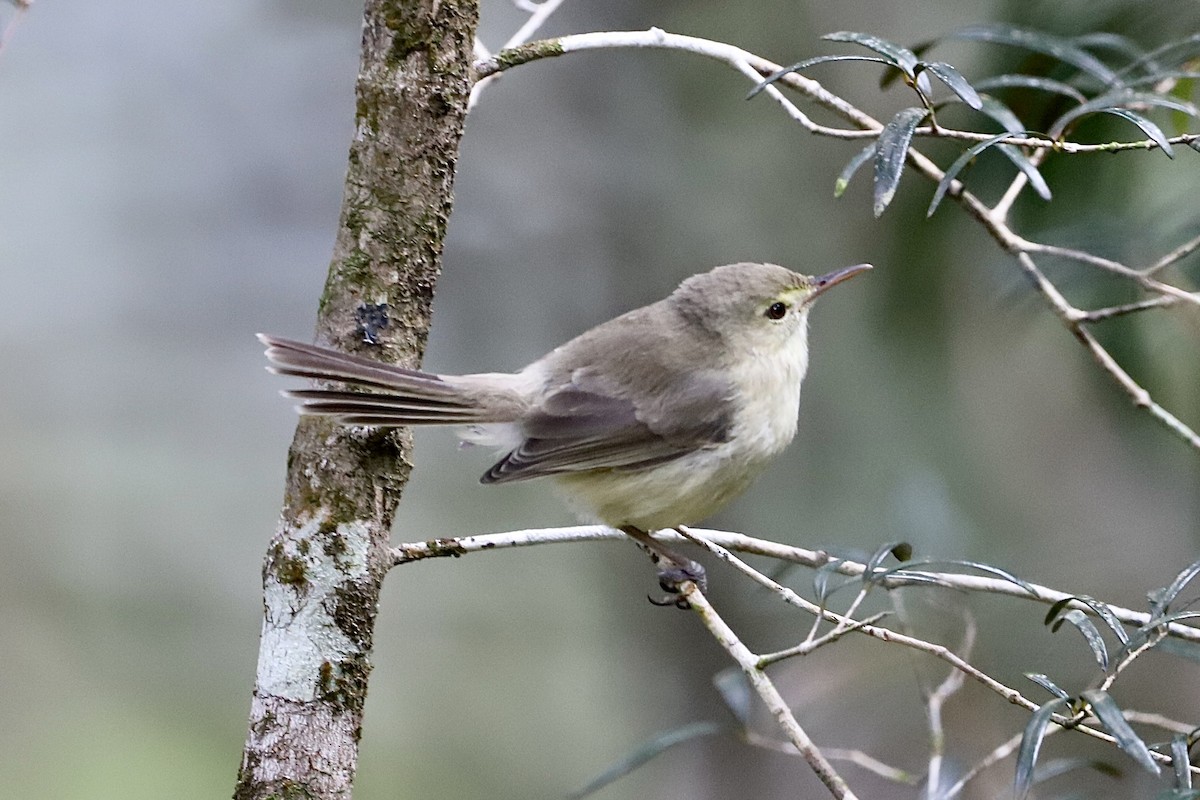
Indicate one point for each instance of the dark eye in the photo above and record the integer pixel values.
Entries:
(776, 310)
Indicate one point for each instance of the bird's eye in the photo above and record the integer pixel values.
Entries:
(776, 310)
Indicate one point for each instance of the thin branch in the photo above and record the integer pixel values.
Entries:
(1138, 276)
(453, 547)
(1179, 253)
(1102, 314)
(998, 754)
(934, 702)
(720, 51)
(767, 691)
(538, 14)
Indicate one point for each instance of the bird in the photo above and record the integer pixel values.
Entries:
(651, 421)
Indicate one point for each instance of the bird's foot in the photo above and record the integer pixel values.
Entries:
(674, 570)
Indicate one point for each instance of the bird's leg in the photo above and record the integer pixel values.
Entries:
(673, 569)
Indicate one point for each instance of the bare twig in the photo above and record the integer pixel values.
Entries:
(1178, 254)
(1102, 314)
(767, 691)
(935, 700)
(538, 14)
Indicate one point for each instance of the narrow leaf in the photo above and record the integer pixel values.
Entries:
(1181, 761)
(952, 562)
(899, 56)
(1114, 43)
(808, 62)
(1090, 634)
(1031, 745)
(1162, 598)
(877, 559)
(648, 750)
(821, 580)
(1053, 46)
(1110, 716)
(1057, 608)
(1047, 684)
(1179, 51)
(1030, 82)
(1028, 167)
(954, 80)
(1001, 113)
(959, 164)
(889, 159)
(1149, 128)
(1117, 103)
(1104, 612)
(843, 180)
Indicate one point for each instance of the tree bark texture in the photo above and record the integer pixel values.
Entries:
(326, 562)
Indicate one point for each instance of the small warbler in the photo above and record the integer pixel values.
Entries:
(652, 420)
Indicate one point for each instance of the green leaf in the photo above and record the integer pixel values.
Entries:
(1031, 745)
(843, 180)
(821, 579)
(1181, 761)
(648, 750)
(901, 57)
(1090, 634)
(808, 62)
(1151, 130)
(889, 158)
(1112, 42)
(953, 79)
(1030, 82)
(1047, 684)
(1104, 612)
(1053, 46)
(959, 164)
(1117, 103)
(877, 558)
(1178, 51)
(1161, 599)
(952, 562)
(1110, 716)
(1001, 113)
(1028, 167)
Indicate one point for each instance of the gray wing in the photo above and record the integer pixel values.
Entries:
(587, 425)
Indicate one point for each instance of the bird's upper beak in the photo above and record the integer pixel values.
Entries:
(820, 284)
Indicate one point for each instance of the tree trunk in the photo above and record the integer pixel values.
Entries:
(326, 563)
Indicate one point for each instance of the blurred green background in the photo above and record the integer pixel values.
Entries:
(171, 176)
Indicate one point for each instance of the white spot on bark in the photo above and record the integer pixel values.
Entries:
(299, 632)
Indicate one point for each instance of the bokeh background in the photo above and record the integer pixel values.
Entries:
(170, 176)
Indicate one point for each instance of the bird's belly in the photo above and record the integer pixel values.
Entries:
(679, 492)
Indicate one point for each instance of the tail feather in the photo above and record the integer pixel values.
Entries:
(403, 396)
(289, 357)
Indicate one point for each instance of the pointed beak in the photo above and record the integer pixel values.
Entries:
(820, 284)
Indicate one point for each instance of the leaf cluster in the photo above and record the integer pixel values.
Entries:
(1103, 74)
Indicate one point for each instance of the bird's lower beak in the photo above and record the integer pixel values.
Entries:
(823, 282)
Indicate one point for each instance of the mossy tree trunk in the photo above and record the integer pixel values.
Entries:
(325, 565)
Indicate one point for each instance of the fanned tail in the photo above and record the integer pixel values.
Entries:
(402, 396)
